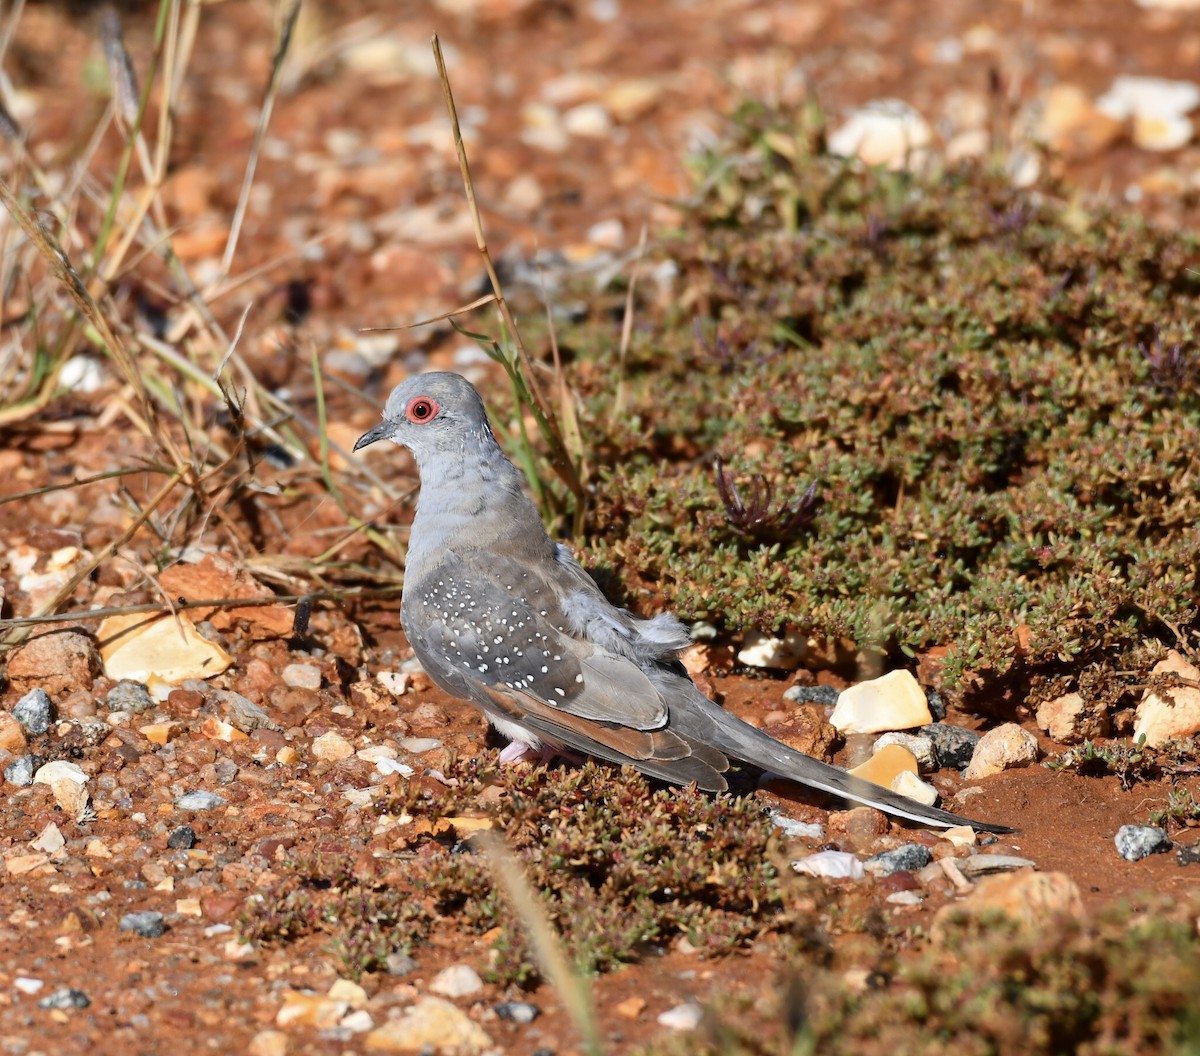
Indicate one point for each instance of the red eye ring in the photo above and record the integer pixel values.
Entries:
(421, 409)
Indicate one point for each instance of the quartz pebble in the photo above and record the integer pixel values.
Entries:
(886, 132)
(459, 980)
(894, 701)
(682, 1017)
(835, 865)
(199, 801)
(302, 676)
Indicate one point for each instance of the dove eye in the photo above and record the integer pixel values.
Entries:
(420, 409)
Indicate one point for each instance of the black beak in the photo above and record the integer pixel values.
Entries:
(381, 432)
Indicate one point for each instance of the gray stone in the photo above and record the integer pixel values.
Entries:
(65, 997)
(1139, 841)
(183, 838)
(34, 712)
(128, 695)
(909, 858)
(21, 770)
(146, 923)
(826, 696)
(518, 1011)
(954, 745)
(400, 964)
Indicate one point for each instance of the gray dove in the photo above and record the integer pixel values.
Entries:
(502, 616)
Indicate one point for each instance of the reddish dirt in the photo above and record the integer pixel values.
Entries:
(361, 157)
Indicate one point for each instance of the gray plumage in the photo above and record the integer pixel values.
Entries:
(502, 616)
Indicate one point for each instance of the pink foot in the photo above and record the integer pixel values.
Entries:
(519, 752)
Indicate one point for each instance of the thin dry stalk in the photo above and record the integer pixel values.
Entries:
(547, 945)
(287, 25)
(521, 372)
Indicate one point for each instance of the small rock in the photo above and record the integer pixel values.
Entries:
(826, 696)
(518, 1011)
(894, 701)
(1173, 711)
(242, 712)
(908, 784)
(431, 1024)
(1071, 125)
(20, 771)
(682, 1017)
(27, 984)
(1135, 842)
(1162, 132)
(199, 800)
(1188, 855)
(587, 121)
(1069, 720)
(302, 676)
(781, 654)
(920, 746)
(835, 865)
(459, 980)
(631, 1007)
(1132, 96)
(400, 964)
(34, 712)
(803, 829)
(357, 1022)
(310, 1010)
(1032, 900)
(886, 764)
(268, 1043)
(805, 729)
(58, 663)
(908, 858)
(128, 695)
(1004, 748)
(332, 747)
(68, 782)
(49, 840)
(905, 898)
(886, 132)
(976, 865)
(349, 991)
(419, 745)
(146, 923)
(65, 997)
(182, 838)
(953, 744)
(12, 735)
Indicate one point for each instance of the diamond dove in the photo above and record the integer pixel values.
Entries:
(502, 616)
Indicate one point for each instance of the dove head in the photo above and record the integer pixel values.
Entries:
(436, 415)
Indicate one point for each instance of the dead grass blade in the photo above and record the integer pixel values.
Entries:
(286, 27)
(517, 364)
(548, 951)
